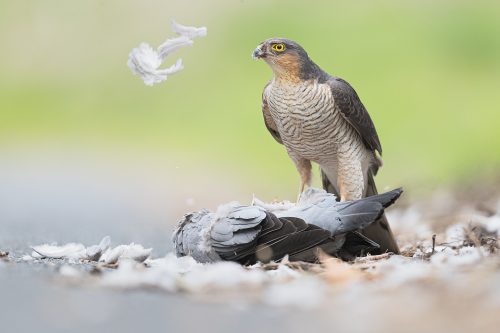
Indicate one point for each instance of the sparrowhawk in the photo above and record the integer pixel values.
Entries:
(320, 118)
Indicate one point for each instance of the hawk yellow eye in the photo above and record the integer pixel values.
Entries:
(278, 47)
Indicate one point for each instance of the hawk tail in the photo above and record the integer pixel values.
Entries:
(380, 231)
(328, 185)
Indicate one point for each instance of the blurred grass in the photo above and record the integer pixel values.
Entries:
(427, 71)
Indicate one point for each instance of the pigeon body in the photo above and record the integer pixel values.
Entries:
(320, 118)
(247, 234)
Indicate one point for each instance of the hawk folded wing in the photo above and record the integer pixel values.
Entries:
(268, 119)
(348, 103)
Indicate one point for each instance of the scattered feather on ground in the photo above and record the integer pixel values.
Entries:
(449, 267)
(101, 252)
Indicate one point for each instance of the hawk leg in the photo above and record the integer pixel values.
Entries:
(350, 179)
(304, 168)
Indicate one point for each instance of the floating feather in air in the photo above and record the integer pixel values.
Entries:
(145, 61)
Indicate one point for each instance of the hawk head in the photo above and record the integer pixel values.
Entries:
(286, 58)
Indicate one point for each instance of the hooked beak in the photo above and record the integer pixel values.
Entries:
(258, 53)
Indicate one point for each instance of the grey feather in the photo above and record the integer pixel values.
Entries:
(323, 210)
(205, 235)
(237, 232)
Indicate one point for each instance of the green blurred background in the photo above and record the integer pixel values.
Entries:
(427, 71)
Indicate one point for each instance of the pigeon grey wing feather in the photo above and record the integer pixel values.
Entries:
(225, 230)
(236, 252)
(243, 214)
(271, 224)
(294, 237)
(331, 247)
(234, 234)
(287, 228)
(299, 224)
(298, 242)
(237, 225)
(348, 103)
(268, 119)
(240, 237)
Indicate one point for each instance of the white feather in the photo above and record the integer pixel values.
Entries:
(145, 62)
(190, 32)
